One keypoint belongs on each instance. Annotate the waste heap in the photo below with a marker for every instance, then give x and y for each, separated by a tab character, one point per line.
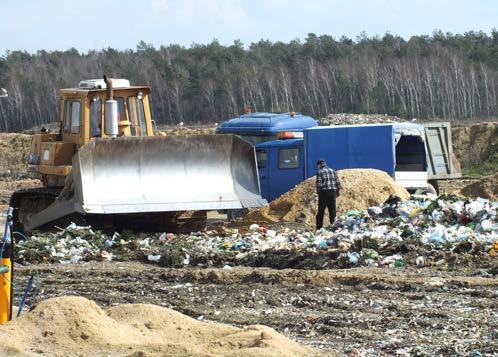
350	119
415	232
361	188
184	130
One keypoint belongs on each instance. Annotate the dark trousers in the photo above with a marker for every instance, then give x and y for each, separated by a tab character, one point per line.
326	199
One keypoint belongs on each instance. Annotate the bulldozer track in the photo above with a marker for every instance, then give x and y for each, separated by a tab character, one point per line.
30	201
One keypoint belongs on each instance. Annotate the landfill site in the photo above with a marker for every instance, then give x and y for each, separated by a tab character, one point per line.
397	273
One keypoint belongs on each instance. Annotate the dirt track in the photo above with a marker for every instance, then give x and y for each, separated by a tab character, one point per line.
377	311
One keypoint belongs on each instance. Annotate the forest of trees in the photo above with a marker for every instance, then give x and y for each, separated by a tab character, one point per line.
448	76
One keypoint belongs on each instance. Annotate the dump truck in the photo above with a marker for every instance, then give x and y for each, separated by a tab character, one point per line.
106	167
288	145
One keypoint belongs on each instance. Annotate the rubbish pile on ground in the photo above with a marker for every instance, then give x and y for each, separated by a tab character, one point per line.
361	188
350	119
184	130
486	187
396	233
77	326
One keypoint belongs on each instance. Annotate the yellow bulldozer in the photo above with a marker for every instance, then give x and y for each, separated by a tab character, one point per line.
105	166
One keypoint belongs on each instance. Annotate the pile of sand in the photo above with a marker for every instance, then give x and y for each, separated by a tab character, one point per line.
487	187
361	188
76	326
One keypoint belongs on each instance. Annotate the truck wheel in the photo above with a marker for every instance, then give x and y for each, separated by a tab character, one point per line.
234	214
423	191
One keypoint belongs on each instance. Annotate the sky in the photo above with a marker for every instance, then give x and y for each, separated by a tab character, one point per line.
95	24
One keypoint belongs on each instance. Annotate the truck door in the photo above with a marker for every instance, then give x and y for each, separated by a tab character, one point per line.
262	159
287	169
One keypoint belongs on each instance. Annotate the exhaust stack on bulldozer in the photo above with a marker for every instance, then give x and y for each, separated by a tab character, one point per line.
111	110
105	167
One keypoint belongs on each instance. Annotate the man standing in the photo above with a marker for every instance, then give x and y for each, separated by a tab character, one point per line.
327	187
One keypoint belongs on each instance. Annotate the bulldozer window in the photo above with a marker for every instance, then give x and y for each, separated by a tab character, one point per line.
65	116
121	109
75	117
137	116
95	117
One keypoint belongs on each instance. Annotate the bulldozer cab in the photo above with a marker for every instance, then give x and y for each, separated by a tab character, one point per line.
82	114
82	111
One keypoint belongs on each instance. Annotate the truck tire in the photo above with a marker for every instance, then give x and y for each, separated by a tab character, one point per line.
423	191
234	214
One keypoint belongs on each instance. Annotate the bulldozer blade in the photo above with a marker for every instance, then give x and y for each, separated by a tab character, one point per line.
160	174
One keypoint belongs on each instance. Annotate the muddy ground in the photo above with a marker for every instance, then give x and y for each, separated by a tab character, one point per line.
374	311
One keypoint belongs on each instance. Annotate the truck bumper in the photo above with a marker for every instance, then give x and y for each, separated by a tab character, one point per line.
411	179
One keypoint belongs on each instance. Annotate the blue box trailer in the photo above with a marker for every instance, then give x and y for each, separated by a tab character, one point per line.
350	146
397	149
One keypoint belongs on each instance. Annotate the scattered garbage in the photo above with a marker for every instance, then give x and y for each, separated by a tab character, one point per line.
350	119
393	234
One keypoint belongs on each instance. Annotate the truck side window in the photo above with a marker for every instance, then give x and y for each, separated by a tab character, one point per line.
262	159
288	158
95	117
75	117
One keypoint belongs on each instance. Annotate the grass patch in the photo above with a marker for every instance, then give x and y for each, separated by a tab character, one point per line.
484	168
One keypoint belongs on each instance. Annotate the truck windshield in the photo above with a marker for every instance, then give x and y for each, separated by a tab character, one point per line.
257	139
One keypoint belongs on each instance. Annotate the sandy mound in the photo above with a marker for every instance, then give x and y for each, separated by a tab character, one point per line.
14	149
361	188
487	187
77	326
475	144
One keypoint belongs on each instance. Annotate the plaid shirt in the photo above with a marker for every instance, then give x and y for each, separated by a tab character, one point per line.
326	179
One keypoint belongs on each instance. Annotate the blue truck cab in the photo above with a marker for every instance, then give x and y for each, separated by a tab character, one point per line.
280	165
261	127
